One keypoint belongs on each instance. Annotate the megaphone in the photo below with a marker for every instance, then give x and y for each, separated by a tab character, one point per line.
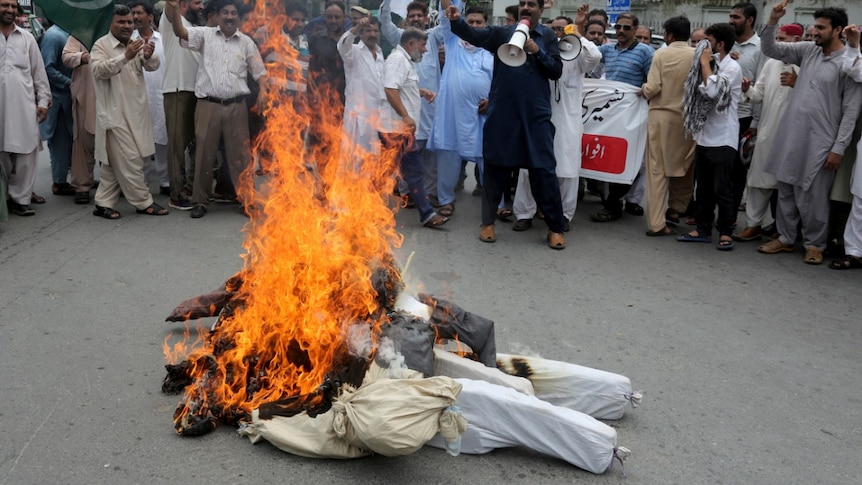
512	53
570	45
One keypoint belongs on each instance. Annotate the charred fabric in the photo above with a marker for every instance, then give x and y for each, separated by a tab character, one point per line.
413	337
401	393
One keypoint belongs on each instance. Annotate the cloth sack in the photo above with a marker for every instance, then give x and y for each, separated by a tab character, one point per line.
394	417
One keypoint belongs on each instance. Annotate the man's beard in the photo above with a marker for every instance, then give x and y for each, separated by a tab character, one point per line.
416	56
194	18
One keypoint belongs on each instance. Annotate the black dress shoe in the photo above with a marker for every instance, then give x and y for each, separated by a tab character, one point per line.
64	188
522	224
198	211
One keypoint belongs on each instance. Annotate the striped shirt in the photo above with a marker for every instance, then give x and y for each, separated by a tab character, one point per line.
630	65
225	62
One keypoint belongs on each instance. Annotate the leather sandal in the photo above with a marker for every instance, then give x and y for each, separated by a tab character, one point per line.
487	233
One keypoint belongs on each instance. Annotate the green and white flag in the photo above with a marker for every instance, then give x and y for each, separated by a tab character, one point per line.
86	20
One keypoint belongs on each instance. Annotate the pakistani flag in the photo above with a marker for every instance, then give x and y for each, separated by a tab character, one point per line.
86	20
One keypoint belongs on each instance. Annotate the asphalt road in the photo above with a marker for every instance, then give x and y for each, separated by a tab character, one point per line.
750	363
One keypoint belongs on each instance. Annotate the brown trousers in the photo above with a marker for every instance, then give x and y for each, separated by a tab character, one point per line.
83	151
663	192
214	121
180	124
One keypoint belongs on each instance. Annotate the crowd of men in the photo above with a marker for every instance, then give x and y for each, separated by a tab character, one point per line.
738	121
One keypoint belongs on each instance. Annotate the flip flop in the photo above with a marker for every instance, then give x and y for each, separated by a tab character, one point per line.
505	214
36	199
689	238
435	221
848	262
725	245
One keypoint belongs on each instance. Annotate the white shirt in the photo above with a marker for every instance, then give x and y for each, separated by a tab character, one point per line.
154	90
180	65
399	72
363	92
24	86
722	127
226	62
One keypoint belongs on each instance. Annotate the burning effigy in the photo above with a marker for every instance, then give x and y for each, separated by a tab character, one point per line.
319	348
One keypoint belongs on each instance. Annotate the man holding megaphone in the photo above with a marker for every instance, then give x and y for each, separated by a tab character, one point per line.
519	132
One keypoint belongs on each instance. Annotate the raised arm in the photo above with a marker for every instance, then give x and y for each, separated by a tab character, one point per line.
789	52
389	30
852	64
172	12
489	38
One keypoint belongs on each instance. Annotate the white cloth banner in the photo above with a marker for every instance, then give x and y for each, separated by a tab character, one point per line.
613	146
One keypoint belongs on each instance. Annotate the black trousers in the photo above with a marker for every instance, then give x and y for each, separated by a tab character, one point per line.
740	171
713	171
543	183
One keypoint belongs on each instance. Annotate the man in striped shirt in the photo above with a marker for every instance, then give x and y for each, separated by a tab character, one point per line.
228	56
626	61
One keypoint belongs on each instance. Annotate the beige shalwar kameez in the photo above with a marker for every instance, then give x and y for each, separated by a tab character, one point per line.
83	115
124	128
670	152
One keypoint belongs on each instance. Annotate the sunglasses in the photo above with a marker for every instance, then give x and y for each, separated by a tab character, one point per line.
623	27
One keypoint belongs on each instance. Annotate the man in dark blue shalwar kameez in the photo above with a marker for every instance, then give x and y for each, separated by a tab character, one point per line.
519	132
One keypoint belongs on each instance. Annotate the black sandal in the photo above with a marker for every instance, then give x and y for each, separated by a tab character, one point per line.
106	212
848	262
153	210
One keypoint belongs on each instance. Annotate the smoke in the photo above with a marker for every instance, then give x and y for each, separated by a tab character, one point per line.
360	342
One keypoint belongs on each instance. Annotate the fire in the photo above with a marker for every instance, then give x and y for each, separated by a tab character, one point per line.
319	231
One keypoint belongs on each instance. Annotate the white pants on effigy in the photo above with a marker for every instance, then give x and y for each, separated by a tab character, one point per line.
500	417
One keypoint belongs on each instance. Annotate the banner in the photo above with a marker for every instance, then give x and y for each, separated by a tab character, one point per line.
613	146
86	20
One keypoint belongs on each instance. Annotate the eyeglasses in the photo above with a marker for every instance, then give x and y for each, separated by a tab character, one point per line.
623	27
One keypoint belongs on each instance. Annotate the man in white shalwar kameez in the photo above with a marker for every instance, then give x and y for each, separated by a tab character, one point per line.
772	90
460	105
363	92
156	167
820	118
24	83
566	117
853	230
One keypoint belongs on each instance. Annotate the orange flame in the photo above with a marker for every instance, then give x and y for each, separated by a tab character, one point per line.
318	231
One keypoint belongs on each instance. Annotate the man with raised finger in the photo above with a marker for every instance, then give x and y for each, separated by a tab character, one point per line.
820	117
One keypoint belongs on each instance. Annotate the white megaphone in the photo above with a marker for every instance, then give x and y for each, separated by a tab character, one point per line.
569	45
512	53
